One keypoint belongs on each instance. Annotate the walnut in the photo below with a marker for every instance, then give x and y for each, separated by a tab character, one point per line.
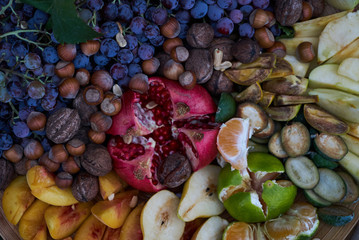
246	50
318	7
96	160
224	44
200	62
219	83
288	12
200	35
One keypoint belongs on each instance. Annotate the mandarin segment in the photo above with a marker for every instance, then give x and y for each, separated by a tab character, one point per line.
238	231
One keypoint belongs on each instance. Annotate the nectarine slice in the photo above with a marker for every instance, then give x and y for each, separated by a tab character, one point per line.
16	199
113	213
38	177
112	234
111	183
131	229
91	229
33	222
63	221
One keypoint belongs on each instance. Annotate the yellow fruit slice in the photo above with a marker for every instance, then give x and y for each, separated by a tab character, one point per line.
238	231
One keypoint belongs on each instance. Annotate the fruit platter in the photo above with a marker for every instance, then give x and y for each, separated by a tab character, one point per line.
179	119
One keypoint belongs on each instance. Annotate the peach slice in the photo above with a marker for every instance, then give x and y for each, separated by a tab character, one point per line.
32	222
131	229
112	234
113	213
43	187
111	183
91	229
63	221
16	199
41	234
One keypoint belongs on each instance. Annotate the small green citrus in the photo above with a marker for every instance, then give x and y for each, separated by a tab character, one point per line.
226	108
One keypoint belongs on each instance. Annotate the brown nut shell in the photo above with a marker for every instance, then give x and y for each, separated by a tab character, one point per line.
171	28
90	47
7	173
258	18
75	147
187	80
305	52
100	122
96	137
307	11
150	66
58	153
96	160
172	70
200	35
264	37
33	150
288	12
69	87
245	50
36	121
67	52
278	49
72	165
63	180
102	79
179	54
83	76
64	69
45	161
170	43
111	104
200	62
14	154
85	187
139	83
93	95
219	83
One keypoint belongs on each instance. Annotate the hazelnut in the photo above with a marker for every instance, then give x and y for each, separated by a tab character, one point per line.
200	35
83	76
100	122
14	154
111	104
58	153
278	49
96	137
72	165
264	37
245	50
258	18
271	19
171	28
150	66
75	147
33	149
64	69
20	166
170	43
85	110
69	87
307	11
67	52
7	173
93	95
85	187
45	161
63	180
90	47
102	79
305	52
187	80
30	163
172	69
36	121
139	83
179	54
318	7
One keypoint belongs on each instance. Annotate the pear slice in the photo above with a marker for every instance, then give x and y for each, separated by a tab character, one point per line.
199	197
212	229
350	68
159	219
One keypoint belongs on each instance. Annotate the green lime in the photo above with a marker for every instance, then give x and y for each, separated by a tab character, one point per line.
226	108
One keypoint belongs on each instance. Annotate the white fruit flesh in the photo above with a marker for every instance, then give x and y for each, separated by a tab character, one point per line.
159	217
350	68
212	229
300	69
291	44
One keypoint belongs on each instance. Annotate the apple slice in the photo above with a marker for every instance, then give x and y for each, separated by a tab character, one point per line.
212	229
159	219
16	199
337	35
199	197
131	228
350	68
300	69
110	184
91	229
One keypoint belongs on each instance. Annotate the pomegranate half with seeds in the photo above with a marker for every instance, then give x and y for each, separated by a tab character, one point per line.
165	120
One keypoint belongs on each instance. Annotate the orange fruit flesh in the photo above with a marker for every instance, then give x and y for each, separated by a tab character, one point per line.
239	231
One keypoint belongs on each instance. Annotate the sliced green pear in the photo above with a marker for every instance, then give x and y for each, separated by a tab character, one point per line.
199	197
351	50
326	76
212	229
159	217
291	44
350	68
337	35
300	68
353	129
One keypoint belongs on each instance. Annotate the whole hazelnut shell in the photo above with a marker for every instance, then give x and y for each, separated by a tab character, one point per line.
150	66
67	52
318	7
305	52
30	163
58	153
258	18
75	147
72	165
172	70
90	47
307	11
179	54
36	121
96	137
85	187
69	87
33	150
170	43
50	165
278	49
245	50
187	80
139	83
20	167
93	95
264	37
200	35
83	76
14	154
96	160
102	79
63	180
64	69
100	122
171	28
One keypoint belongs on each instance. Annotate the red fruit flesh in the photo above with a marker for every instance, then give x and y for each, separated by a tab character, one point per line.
152	126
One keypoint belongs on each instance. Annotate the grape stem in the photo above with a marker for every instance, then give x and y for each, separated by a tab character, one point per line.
17	34
7	71
8	5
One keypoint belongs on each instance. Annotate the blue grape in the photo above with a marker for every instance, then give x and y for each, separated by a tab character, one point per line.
5	97
246	10
224	3
109	47
184	30
5	141
20	49
49	70
109	29
89	67
32	102
236	15
138	25
125	56
25	112
132	41
101	59
32	61
159	16
36	90
28	10
215	12
141	38
276	30
21	130
40	17
50	55
151	31
5	111
263	4
244	2
233	6
15	89
148	13
187	4
5	50
199	10
136	60
157	41
124	82
94	5
118	71
170	4
134	68
125	13
38	71
46	144
11	61
139	6
246	30
53	38
210	1
3	125
85	14
81	61
225	26
183	16
146	51
110	11
15	18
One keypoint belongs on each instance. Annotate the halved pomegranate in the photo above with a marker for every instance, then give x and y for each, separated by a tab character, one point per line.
165	120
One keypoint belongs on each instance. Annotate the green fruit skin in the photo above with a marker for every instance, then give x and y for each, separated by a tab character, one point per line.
228	178
310	236
226	108
264	162
320	161
336	220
